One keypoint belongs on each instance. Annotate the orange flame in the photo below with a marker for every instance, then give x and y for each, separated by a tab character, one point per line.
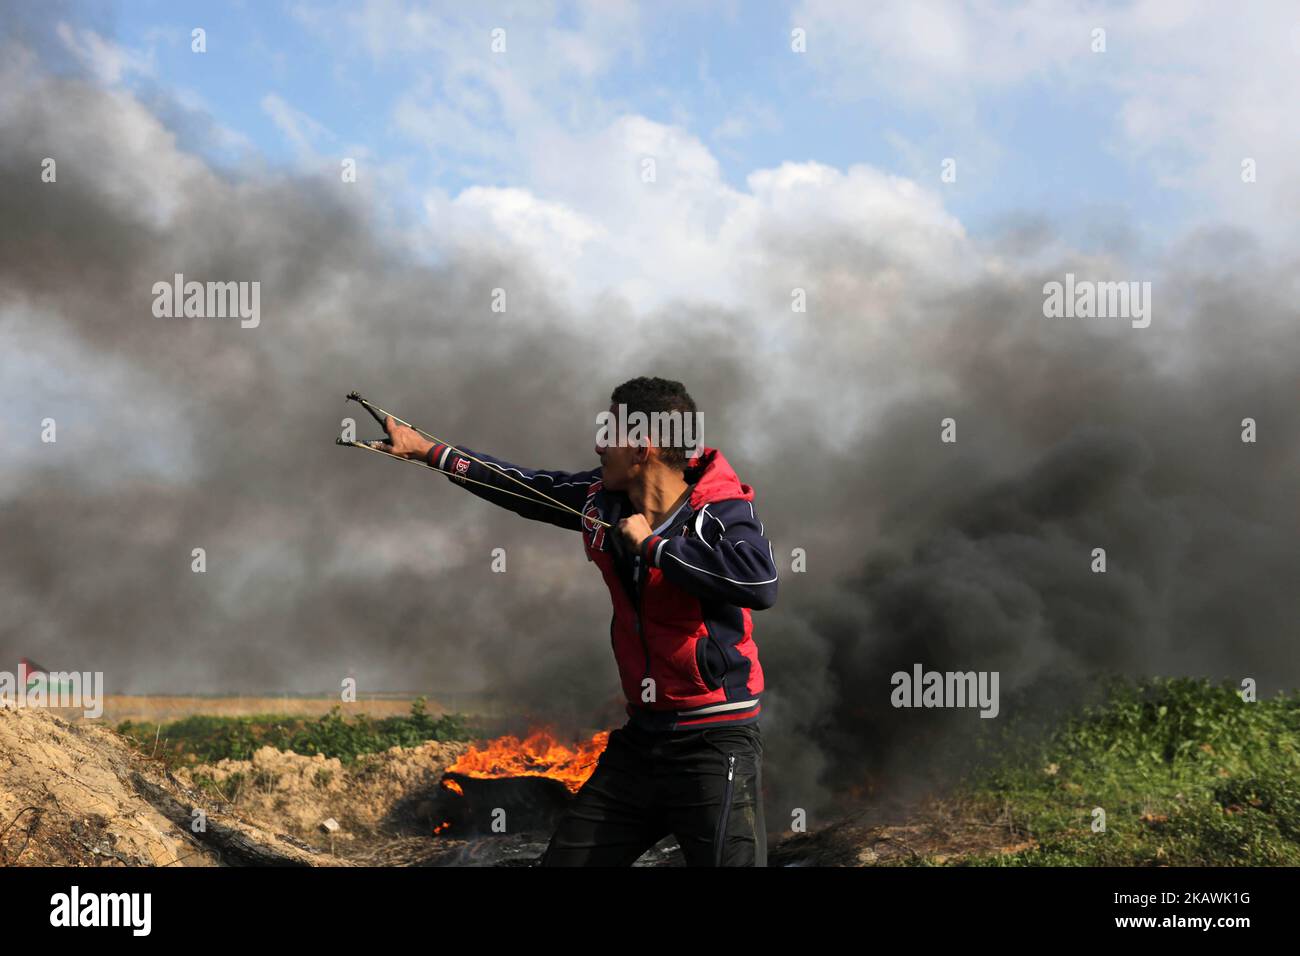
537	755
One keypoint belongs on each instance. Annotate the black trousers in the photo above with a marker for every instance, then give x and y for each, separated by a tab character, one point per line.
702	786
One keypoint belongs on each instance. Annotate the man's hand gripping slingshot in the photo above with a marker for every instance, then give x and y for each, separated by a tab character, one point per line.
385	447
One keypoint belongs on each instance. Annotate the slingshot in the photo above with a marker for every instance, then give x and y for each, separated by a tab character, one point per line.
382	416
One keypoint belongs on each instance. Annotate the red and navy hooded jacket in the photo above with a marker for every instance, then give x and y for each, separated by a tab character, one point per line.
681	628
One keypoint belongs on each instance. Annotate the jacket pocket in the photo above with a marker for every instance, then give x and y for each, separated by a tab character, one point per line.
710	659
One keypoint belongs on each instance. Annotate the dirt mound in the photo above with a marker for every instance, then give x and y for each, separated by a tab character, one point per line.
73	793
382	795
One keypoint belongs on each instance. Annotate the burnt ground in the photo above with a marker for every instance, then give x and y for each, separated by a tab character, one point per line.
932	831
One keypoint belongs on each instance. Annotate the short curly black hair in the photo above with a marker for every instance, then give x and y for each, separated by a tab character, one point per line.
650	395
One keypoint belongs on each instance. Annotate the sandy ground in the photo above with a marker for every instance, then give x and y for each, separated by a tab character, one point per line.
76	793
381	796
73	793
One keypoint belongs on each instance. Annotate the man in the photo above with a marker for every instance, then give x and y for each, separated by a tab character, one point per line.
685	559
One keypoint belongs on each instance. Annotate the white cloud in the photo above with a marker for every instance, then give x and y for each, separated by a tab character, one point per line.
513	220
299	128
1198	87
107	61
752	117
472	108
592	223
938	54
448	121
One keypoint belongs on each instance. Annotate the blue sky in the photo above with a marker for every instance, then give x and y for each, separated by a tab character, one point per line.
1046	145
1081	126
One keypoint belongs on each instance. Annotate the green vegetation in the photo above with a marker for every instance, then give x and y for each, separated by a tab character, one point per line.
229	789
1188	774
201	739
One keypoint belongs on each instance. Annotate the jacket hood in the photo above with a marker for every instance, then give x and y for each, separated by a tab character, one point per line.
715	480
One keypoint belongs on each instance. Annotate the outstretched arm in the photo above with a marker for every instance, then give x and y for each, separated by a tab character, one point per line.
532	493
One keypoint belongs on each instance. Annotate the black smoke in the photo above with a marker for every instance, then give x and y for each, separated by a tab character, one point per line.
325	563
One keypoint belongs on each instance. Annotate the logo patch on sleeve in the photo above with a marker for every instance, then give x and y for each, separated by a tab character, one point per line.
595	532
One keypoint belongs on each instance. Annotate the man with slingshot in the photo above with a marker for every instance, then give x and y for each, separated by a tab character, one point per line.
683	553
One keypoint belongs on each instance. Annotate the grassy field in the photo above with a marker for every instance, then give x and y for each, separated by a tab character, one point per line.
205	738
165	708
1186	773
